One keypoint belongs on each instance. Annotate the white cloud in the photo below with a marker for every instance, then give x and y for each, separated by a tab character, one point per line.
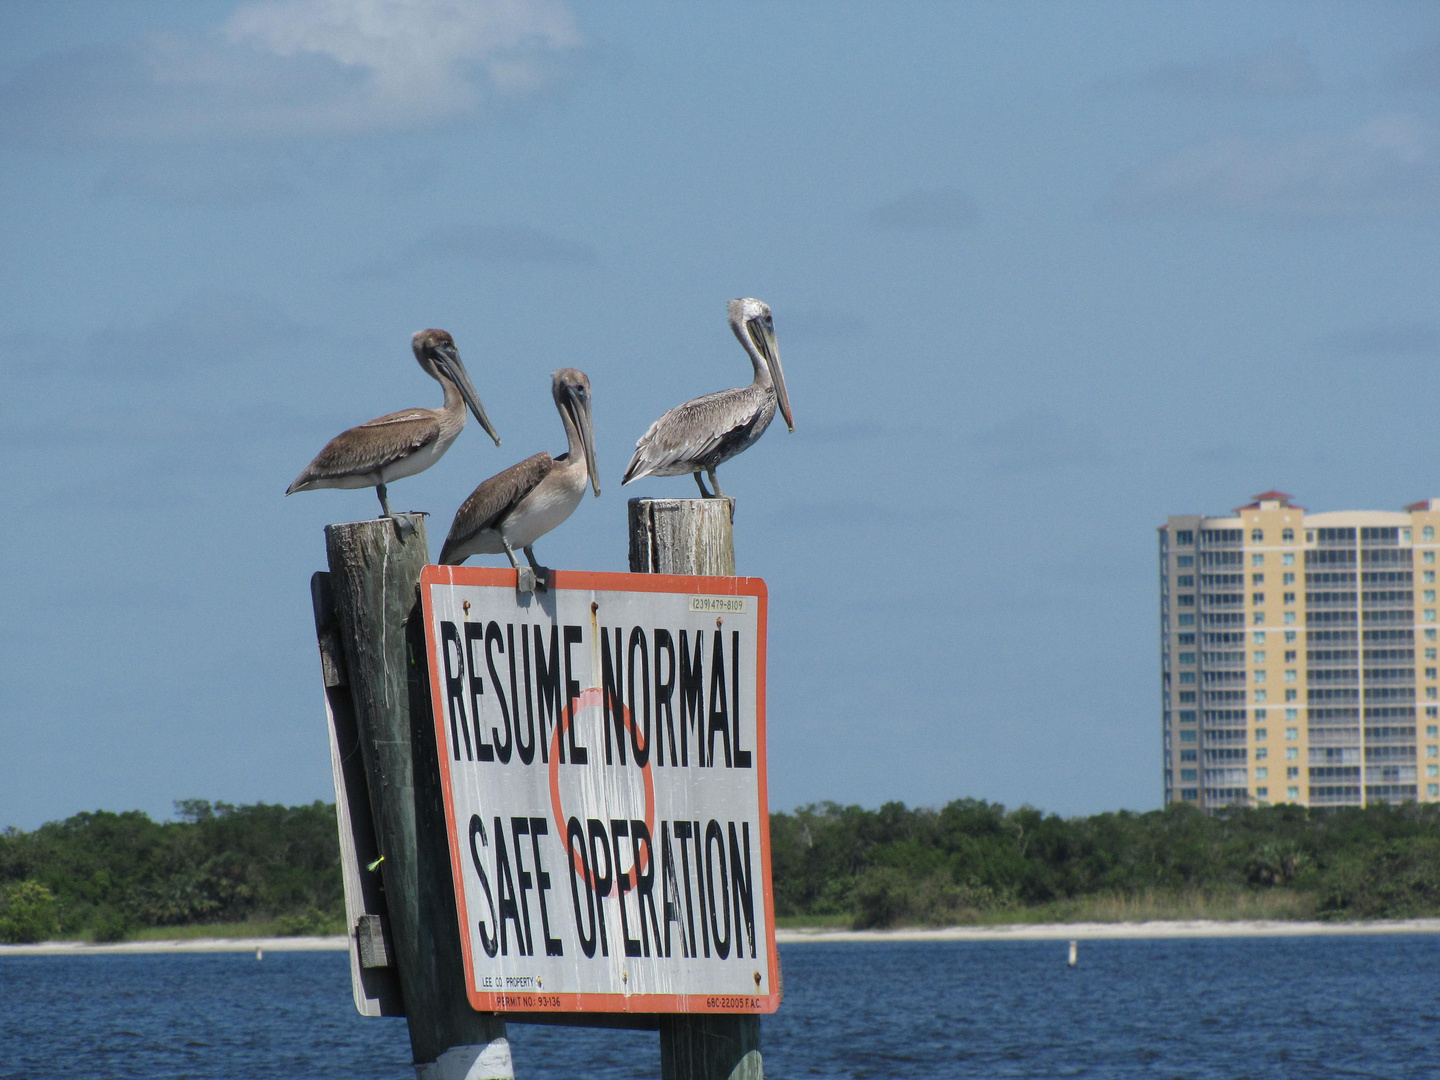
1282	70
293	68
926	210
1388	165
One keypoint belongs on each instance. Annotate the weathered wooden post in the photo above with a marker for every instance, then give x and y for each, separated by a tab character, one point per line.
375	575
695	536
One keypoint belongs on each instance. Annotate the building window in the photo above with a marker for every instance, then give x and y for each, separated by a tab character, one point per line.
1257	579
1292	753
1262	792
1429	614
1289	617
1429	635
1185	537
1258	637
1187	697
1432	789
1289	636
1187	736
1189	793
1187	639
1289	659
1427	557
1257	536
1309	536
1291	715
1259	715
1427	576
1262	773
1257	598
1431	751
1431	694
1259	676
1292	793
1292	695
1187	658
1187	676
1259	656
1260	735
1259	695
1183	561
1187	716
1287	536
1188	755
1288	559
1291	733
1261	753
1185	581
1187	620
1292	773
1259	618
1427	533
1429	596
1288	579
1405	536
1432	770
1189	774
1289	598
1429	673
1290	676
1186	600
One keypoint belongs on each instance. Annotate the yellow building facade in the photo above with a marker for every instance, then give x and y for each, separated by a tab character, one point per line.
1299	656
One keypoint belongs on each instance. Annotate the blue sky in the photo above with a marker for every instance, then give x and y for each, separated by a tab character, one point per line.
1041	273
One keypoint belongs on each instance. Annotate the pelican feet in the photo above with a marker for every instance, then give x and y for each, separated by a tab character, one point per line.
524	580
541	573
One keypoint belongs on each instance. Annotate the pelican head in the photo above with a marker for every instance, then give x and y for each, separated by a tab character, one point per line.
571	390
435	350
750	319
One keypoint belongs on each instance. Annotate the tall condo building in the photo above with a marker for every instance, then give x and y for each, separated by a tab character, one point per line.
1298	656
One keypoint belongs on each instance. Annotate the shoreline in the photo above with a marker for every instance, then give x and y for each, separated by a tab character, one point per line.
1189	928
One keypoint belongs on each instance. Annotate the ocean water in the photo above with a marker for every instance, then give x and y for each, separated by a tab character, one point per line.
1224	1009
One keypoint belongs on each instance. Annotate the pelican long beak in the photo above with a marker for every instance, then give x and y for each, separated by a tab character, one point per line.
454	368
762	333
584	427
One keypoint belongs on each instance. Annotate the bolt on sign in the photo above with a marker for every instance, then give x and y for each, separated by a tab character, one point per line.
602	756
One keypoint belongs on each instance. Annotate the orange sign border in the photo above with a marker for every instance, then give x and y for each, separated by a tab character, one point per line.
538	1000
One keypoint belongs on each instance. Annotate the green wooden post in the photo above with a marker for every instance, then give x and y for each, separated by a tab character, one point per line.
695	536
375	575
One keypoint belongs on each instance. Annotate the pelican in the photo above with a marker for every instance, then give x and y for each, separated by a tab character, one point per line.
709	430
518	506
402	443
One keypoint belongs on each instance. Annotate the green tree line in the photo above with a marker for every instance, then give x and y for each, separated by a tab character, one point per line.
104	875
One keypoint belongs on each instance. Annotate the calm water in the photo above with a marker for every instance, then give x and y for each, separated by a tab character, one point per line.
1283	1008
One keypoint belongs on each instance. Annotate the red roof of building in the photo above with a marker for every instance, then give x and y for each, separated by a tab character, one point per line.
1423	504
1271	496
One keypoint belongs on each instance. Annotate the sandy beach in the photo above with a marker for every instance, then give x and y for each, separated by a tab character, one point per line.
1197	928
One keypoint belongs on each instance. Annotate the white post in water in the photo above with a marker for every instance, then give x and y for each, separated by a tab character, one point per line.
1074	951
695	536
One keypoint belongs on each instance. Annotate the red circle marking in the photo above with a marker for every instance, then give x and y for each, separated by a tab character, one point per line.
595	697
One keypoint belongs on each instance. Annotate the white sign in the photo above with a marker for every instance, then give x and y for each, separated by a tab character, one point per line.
602	754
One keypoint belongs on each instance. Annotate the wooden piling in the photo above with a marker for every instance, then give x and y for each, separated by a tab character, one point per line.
695	536
375	575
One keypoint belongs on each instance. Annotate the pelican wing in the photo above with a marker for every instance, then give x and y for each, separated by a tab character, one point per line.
701	429
494	498
370	447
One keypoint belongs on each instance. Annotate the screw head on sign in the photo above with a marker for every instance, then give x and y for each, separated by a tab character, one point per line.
539	982
757	978
466	606
625	976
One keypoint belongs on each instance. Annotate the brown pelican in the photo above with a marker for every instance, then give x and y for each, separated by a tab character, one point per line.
518	506
708	430
402	443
